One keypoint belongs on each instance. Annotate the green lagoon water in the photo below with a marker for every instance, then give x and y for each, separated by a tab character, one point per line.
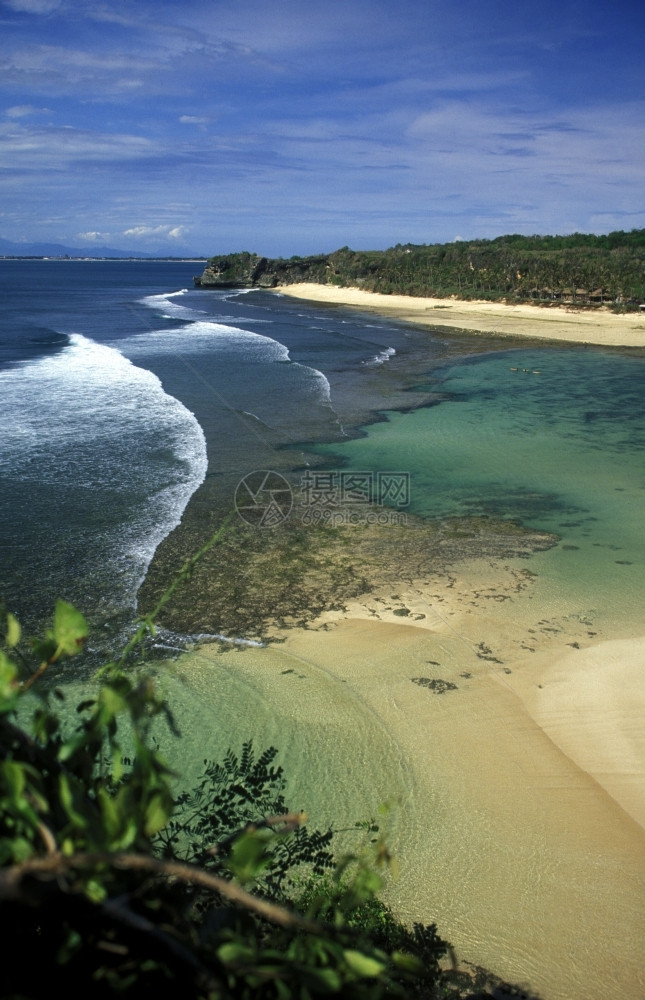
158	385
552	439
557	444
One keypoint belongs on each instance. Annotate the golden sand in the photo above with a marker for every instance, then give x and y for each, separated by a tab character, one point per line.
520	775
525	862
591	703
598	326
513	735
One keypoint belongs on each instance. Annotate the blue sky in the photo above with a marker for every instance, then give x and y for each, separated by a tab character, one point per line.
297	126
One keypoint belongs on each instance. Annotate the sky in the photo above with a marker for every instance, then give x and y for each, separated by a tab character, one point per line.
282	127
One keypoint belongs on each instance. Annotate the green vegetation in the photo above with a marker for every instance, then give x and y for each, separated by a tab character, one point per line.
111	883
114	883
580	269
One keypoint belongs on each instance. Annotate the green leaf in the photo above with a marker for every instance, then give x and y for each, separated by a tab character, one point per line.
70	628
95	891
44	649
366	884
8	684
67	798
110	814
70	947
249	855
408	963
13	630
111	701
283	990
363	965
320	980
158	812
13	777
235	953
21	849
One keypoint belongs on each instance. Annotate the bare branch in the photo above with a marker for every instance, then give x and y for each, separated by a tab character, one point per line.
57	864
47	838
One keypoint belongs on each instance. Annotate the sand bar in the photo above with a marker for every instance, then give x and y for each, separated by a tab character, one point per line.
599	326
521	797
591	703
513	845
526	863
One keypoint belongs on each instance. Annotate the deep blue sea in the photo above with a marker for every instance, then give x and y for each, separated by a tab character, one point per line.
122	387
127	395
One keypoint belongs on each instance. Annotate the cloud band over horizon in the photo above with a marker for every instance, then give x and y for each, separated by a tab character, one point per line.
299	128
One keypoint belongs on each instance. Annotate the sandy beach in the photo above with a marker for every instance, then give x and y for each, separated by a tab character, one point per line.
598	326
519	741
505	722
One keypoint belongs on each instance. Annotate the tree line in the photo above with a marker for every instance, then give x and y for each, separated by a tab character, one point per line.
580	269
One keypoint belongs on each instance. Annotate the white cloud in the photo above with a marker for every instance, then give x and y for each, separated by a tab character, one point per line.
34	6
24	111
58	69
34	148
93	237
144	232
193	120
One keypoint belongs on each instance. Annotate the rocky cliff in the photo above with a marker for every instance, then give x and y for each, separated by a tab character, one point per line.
248	270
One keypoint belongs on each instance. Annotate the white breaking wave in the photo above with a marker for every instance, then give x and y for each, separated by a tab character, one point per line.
208	335
382	357
203	636
166	305
205	335
319	380
87	418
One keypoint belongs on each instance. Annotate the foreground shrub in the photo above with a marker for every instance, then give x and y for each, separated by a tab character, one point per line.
114	884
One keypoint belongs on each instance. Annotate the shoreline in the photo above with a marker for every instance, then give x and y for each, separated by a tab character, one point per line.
552	323
527	850
492	720
584	690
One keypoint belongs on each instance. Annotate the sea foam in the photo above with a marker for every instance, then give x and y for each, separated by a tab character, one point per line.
89	423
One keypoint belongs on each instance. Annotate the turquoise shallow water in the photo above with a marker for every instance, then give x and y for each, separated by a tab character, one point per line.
558	446
553	439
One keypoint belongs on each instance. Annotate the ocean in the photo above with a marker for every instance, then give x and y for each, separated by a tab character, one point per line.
134	405
123	388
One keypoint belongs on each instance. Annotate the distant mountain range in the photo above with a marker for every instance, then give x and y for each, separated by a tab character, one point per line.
9	249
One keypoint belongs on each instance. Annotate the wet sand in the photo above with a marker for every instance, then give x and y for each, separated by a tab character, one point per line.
508	727
519	831
591	703
595	326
